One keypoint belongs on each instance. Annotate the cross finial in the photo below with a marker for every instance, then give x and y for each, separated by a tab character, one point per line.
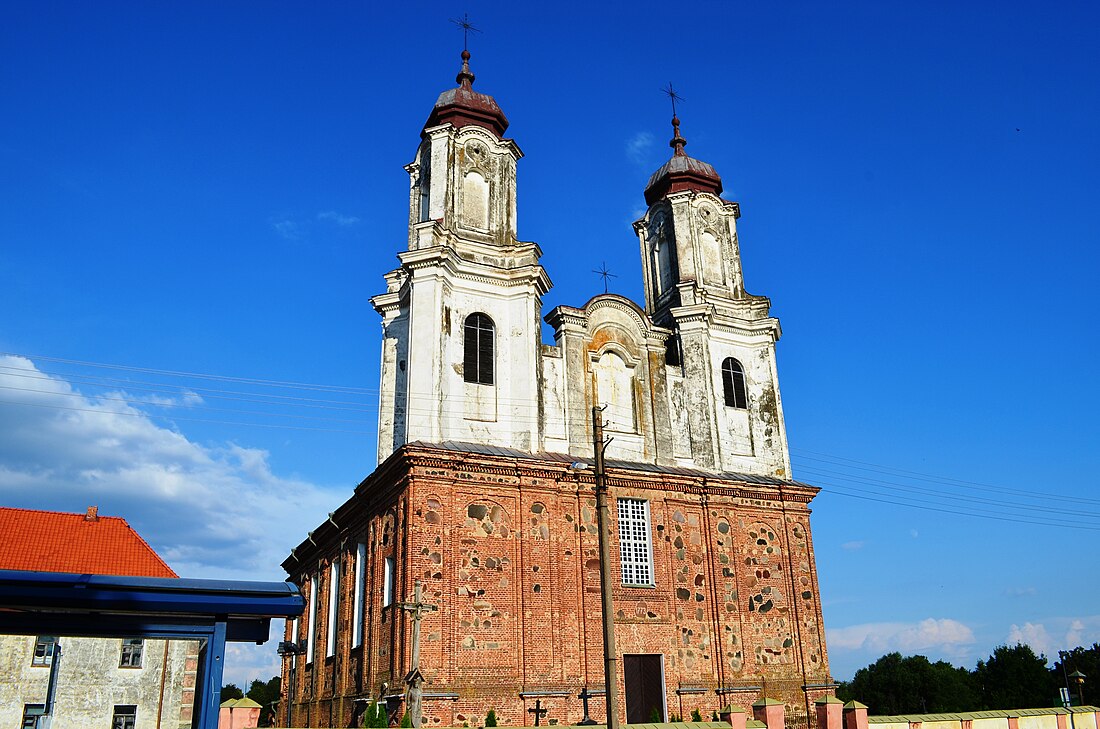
677	143
466	26
605	274
673	97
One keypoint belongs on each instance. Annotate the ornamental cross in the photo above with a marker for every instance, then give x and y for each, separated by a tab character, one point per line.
414	678
604	273
673	96
466	26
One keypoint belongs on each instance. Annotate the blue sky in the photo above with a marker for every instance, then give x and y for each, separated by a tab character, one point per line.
217	189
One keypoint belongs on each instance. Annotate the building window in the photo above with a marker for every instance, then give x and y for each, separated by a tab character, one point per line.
311	626
357	606
477	353
31	712
634	544
131	653
125	716
43	650
387	582
333	606
733	384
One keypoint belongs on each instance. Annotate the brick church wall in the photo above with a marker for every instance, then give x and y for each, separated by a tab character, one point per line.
507	549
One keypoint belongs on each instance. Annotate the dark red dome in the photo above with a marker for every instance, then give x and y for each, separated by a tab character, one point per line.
681	172
462	106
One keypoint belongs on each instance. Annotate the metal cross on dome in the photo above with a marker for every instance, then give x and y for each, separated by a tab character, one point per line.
604	273
466	28
673	96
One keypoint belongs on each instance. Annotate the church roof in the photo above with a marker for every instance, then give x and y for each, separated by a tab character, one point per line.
462	106
54	541
681	172
490	450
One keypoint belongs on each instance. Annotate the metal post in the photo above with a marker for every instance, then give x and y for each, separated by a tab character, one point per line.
610	657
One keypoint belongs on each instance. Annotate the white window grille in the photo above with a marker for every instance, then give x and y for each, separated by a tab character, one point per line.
357	607
634	543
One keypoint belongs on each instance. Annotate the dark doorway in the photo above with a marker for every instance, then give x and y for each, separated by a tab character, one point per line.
644	677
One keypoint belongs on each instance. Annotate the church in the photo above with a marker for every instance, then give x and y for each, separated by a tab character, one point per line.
484	493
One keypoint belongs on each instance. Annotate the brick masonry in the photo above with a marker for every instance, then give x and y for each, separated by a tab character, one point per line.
507	548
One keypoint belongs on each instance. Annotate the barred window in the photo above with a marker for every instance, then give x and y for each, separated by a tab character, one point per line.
311	626
125	716
360	581
131	653
477	352
43	650
634	543
733	384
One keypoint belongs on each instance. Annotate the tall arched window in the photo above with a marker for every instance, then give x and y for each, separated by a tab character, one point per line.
477	353
733	384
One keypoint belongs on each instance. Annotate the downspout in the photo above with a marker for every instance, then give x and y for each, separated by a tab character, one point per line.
163	676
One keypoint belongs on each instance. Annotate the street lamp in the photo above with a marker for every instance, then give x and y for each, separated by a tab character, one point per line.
1079	679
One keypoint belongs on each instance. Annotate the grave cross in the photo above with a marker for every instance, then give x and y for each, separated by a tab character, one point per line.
584	696
537	711
414	678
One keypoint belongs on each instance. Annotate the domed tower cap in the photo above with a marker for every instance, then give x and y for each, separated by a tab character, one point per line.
462	106
681	172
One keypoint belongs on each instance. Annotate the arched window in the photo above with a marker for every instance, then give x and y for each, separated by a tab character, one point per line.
477	353
733	384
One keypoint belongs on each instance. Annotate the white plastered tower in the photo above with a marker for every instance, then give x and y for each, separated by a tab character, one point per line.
694	286
463	260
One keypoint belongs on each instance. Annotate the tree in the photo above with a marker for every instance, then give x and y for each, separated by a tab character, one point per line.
376	717
911	685
1015	678
265	693
491	718
231	691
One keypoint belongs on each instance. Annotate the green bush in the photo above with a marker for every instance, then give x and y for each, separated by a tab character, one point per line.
406	720
695	715
491	718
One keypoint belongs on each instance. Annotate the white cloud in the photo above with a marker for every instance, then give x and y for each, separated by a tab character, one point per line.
213	511
287	228
638	147
944	633
340	219
852	546
1020	592
1034	634
209	510
1076	633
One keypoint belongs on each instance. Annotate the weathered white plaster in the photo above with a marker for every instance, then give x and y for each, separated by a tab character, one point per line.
463	257
90	682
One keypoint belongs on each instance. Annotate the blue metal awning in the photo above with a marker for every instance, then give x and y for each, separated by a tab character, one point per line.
103	606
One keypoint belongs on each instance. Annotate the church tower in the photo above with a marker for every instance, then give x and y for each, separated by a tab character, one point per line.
461	314
723	382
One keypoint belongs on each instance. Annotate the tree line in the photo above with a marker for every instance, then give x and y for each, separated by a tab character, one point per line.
1013	677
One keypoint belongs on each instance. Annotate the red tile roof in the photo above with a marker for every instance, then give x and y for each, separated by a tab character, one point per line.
55	541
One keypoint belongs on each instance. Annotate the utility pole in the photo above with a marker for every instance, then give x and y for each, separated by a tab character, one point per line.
610	657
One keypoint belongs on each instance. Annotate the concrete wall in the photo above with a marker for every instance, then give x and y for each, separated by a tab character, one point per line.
90	683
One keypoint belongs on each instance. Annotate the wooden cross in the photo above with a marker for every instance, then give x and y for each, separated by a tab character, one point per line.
414	678
537	711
